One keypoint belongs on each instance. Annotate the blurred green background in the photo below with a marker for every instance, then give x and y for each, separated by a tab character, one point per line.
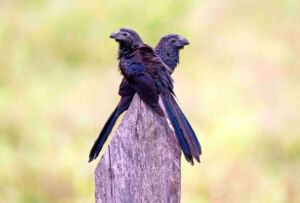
238	83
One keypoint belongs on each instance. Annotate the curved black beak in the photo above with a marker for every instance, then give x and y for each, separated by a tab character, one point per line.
115	34
184	41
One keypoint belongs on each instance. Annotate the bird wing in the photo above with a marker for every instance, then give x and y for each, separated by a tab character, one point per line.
160	73
141	81
157	69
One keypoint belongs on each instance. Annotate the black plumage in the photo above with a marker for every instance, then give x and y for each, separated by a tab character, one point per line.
168	49
145	73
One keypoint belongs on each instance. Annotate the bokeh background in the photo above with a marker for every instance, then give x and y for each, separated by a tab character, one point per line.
238	83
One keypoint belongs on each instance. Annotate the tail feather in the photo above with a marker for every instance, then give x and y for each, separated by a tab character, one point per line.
192	132
183	130
103	136
178	132
106	130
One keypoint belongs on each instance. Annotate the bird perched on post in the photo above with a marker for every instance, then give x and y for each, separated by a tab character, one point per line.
167	49
145	73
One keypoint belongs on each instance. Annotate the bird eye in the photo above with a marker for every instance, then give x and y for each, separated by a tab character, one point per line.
173	41
125	34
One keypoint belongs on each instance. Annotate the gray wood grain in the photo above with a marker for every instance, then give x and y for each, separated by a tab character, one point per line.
142	161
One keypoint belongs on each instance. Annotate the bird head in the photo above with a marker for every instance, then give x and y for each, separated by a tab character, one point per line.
173	42
127	38
168	49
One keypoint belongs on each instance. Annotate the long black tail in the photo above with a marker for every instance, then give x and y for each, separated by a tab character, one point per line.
184	132
122	106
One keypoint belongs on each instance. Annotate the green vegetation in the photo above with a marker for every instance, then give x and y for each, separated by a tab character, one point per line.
238	83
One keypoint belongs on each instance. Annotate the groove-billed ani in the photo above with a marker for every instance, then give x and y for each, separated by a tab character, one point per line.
168	49
147	75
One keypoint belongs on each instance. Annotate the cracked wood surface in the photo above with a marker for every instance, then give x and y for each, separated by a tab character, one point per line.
142	161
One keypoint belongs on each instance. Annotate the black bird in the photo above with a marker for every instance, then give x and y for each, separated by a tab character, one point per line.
147	75
168	49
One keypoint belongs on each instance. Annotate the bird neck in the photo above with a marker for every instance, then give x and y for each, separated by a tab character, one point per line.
125	50
169	57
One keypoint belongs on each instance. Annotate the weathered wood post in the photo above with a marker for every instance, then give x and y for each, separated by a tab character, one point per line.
142	161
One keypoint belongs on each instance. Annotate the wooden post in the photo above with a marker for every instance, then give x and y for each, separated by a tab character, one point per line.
142	161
